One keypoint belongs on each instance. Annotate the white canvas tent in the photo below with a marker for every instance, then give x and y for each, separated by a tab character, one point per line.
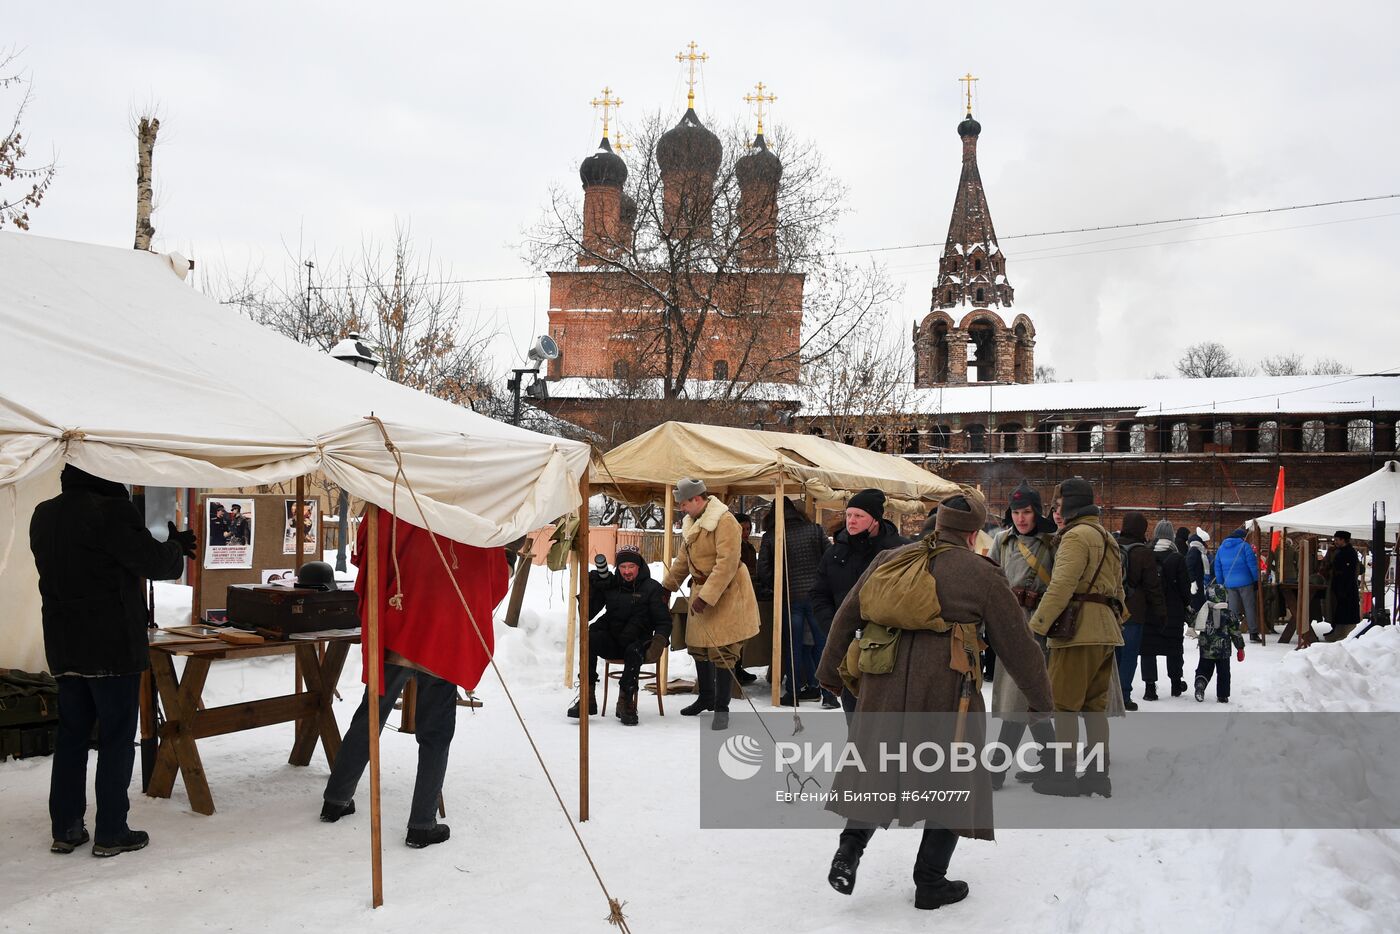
115	364
1345	509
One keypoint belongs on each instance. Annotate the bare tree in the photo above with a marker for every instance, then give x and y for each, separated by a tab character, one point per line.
1045	374
674	280
22	184
146	129
1209	360
864	394
1284	364
1326	366
400	302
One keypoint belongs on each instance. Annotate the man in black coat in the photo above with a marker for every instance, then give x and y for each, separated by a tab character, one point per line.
93	552
1341	567
866	533
635	612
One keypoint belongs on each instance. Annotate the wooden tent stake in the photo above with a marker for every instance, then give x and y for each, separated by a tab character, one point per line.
573	620
584	685
663	671
779	557
376	841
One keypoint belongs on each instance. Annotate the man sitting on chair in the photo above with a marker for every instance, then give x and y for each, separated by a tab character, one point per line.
635	613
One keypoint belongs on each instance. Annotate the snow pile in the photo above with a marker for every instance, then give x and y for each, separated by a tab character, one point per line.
1256	880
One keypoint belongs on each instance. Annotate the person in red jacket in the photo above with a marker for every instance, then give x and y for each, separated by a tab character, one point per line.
425	636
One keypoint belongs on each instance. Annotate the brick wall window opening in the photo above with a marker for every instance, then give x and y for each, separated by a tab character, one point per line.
939	438
940	349
909	441
721	369
1059	436
976	439
875	440
982	341
1267	437
977	265
1181	438
1361	435
1314	437
1137	438
979	295
1223	434
949	297
1011	438
816	430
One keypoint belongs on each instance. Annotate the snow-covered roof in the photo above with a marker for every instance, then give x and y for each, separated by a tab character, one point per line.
1244	395
586	387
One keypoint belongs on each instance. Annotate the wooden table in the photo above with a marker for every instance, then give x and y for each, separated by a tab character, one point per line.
186	721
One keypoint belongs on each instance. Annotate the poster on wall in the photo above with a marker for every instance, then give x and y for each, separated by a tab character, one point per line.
310	523
228	533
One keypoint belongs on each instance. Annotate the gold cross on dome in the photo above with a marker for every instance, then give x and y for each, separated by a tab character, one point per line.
690	56
758	99
967	79
607	102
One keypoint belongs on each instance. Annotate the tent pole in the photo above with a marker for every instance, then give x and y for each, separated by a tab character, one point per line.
1304	596
668	521
585	686
1259	588
779	556
372	690
301	559
573	621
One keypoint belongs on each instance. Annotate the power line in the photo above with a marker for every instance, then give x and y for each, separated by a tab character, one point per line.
1174	220
1023	236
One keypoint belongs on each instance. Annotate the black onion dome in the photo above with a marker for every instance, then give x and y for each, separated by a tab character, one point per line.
969	127
760	166
688	146
628	210
604	167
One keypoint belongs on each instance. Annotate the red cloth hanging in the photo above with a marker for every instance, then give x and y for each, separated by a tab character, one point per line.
1277	536
430	628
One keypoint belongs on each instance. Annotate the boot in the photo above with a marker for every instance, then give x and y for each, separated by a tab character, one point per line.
592	704
70	843
125	843
1150	692
1061	783
745	677
932	887
627	707
1200	689
332	811
704	690
426	836
1178	688
1129	704
928	897
1095	782
844	864
722	694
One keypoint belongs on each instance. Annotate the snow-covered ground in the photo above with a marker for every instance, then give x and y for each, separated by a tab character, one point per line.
264	862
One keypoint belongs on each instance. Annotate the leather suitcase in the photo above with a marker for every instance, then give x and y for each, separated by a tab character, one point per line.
290	609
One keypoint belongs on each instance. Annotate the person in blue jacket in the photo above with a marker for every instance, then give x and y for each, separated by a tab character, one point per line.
1237	570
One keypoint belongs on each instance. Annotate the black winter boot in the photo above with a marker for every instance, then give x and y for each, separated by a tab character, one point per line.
592	704
723	679
1200	689
627	707
1178	688
936	895
932	887
844	864
704	690
1150	692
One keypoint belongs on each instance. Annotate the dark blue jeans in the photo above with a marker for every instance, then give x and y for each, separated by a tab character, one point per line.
436	722
113	704
800	619
1127	655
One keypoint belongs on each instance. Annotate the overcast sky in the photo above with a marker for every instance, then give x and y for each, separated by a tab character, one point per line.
323	124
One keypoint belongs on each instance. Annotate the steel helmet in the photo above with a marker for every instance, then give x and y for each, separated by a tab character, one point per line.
317	575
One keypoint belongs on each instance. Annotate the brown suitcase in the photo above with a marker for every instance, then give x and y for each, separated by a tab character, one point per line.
291	609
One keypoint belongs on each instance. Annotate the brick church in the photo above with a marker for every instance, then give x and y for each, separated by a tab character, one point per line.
678	295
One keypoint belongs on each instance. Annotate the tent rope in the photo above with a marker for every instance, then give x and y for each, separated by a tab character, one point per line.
615	915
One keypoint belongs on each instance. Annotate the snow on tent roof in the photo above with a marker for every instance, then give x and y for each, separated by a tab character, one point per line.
1155	398
114	364
1345	509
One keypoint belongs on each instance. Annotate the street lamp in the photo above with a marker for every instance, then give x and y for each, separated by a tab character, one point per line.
542	350
353	350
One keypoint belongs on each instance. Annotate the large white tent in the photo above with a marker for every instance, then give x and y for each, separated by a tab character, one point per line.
113	363
1346	509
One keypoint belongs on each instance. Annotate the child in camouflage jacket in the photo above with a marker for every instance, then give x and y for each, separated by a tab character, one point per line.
1221	629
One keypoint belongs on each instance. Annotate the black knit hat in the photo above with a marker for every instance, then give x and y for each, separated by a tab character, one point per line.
870	501
1024	496
629	555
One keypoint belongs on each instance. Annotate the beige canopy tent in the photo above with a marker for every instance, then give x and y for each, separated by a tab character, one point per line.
741	461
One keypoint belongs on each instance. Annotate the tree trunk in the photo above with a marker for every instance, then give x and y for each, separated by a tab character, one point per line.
145	149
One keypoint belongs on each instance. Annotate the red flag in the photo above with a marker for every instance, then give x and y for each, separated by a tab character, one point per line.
1277	536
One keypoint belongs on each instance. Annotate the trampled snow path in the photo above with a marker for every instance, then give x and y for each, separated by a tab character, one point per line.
264	862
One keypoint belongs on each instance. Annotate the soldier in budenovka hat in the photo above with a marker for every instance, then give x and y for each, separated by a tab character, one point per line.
1025	549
